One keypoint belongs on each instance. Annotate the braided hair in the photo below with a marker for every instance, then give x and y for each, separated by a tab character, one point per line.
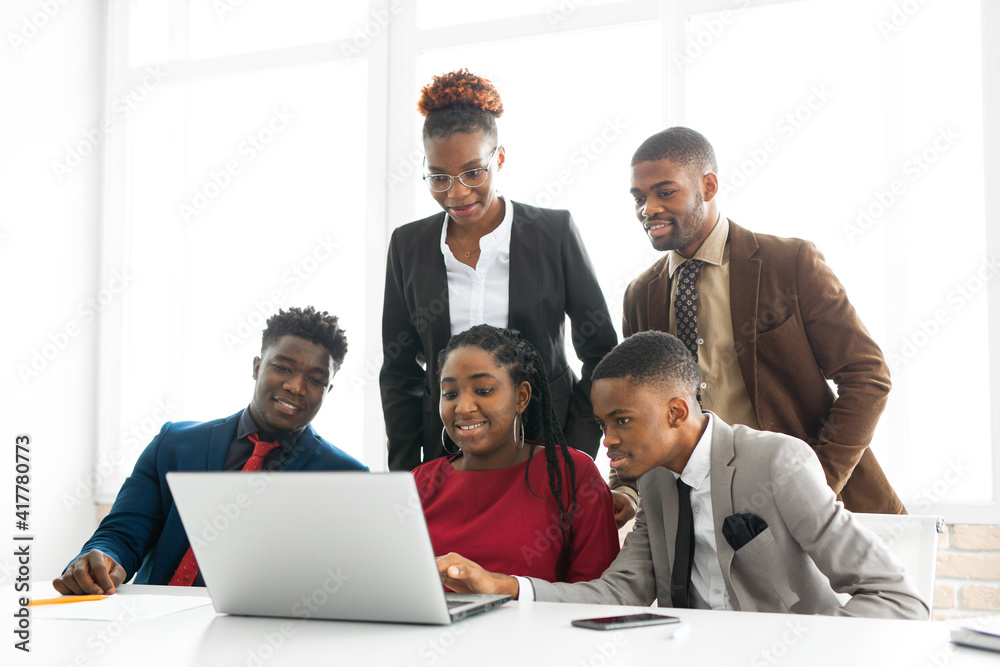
460	102
523	363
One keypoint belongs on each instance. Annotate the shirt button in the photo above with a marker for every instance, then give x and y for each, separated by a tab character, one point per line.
701	341
711	550
717	591
697	509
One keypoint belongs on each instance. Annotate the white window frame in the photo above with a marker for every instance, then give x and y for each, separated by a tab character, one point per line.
392	136
117	188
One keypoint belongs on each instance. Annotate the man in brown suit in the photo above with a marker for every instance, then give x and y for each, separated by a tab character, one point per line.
771	322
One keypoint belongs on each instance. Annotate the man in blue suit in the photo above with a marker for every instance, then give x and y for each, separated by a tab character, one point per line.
301	351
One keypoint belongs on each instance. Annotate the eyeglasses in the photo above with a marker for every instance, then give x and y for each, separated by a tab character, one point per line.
472	178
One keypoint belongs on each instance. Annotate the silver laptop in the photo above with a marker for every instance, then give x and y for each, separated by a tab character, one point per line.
333	545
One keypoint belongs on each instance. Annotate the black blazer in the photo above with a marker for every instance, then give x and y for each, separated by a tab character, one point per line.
550	277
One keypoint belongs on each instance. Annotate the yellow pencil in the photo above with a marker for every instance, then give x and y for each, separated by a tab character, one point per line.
66	598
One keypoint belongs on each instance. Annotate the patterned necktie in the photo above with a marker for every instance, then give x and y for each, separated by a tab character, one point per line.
187	571
680	577
686	308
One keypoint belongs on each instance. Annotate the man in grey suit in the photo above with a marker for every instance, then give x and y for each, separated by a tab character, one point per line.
767	531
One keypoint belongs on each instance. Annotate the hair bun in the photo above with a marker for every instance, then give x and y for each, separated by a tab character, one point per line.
460	87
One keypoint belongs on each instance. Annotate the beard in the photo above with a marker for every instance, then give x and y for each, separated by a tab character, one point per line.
687	228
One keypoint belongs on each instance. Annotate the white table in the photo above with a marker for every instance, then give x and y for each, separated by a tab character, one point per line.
516	635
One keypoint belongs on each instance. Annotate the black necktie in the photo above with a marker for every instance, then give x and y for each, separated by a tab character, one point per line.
680	579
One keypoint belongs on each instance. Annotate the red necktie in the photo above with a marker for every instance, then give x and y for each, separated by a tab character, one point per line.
187	571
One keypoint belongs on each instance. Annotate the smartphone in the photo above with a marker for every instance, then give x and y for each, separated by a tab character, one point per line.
629	621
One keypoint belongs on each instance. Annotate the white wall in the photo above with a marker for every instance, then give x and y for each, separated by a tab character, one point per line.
51	59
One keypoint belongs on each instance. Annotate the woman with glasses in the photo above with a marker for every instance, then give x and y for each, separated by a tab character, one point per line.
484	260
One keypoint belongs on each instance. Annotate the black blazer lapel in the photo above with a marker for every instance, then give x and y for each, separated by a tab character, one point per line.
522	288
431	282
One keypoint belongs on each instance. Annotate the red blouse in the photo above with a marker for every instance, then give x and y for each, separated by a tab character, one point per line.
490	517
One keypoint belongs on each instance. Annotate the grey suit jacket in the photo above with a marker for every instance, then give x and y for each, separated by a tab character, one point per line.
811	549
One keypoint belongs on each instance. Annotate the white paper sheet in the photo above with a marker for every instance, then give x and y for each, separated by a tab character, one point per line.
129	608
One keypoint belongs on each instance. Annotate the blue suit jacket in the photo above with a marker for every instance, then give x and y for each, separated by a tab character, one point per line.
143	530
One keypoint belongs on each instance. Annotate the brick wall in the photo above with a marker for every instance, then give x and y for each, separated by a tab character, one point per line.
968	572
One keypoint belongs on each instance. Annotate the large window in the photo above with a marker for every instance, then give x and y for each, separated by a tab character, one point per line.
244	188
854	150
863	126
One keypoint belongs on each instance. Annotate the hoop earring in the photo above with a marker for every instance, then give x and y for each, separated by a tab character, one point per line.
445	446
519	443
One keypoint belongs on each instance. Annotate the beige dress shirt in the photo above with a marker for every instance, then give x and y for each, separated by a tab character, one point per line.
722	388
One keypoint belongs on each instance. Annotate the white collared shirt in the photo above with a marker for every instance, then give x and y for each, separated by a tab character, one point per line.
480	295
707	583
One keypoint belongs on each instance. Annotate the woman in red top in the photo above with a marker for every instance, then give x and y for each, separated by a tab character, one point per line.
538	509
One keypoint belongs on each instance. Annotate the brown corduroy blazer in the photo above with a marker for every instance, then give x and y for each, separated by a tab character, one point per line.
794	328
